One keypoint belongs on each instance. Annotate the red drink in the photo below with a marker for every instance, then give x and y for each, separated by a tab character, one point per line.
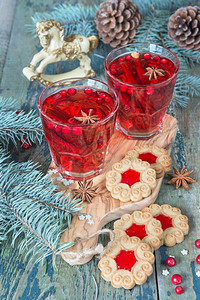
144	82
78	123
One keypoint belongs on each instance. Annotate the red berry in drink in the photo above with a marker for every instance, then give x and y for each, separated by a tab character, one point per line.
198	259
113	71
102	95
197	243
108	99
123	88
163	61
170	261
66	129
176	279
128	57
147	56
50	125
71	91
99	100
156	58
77	130
130	91
57	128
179	290
121	59
63	93
88	91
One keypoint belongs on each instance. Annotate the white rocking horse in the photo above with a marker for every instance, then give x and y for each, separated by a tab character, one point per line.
58	48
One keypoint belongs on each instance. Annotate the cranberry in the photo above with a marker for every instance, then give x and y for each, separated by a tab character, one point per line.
108	99
197	243
179	290
128	57
77	130
149	91
102	95
176	279
63	93
198	259
121	59
163	61
170	261
113	71
130	91
156	58
71	91
57	128
147	56
99	100
123	88
88	91
50	125
25	143
66	129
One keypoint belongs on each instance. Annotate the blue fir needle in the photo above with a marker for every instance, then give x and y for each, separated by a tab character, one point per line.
96	287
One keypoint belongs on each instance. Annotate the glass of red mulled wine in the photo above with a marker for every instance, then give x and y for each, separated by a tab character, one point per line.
78	117
143	76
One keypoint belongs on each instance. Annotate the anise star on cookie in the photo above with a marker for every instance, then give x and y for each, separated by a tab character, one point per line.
181	178
85	191
87	119
153	72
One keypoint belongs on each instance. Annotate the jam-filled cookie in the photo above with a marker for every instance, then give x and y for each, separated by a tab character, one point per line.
127	262
142	225
174	224
158	157
131	180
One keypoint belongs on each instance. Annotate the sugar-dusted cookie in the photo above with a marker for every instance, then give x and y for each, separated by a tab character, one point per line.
131	180
174	224
158	157
142	225
127	262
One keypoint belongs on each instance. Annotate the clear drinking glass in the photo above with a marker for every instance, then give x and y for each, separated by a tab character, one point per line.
143	99
78	121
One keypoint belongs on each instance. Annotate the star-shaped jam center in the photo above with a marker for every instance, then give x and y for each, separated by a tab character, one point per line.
87	119
125	260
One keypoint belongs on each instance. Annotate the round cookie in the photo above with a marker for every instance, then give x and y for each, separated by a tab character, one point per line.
174	224
142	225
131	180
127	262
158	157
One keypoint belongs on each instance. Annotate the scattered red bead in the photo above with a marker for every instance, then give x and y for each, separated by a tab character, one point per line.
121	59
198	259
170	261
176	279
88	91
147	56
179	290
63	93
128	57
197	243
71	91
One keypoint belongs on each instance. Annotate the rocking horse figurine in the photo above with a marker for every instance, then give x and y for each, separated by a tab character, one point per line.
58	48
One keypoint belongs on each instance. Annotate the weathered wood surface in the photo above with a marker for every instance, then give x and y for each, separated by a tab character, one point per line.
19	277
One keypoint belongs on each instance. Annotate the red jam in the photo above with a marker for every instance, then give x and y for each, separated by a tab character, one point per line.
136	230
149	157
130	177
165	221
125	260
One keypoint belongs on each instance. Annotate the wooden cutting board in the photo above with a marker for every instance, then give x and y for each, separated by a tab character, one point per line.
104	208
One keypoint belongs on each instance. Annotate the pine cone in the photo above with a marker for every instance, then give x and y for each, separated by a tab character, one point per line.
184	27
116	21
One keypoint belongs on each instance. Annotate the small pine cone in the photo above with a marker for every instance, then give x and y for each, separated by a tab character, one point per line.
184	27
116	21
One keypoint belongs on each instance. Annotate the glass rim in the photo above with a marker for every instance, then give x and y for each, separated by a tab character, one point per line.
142	85
79	125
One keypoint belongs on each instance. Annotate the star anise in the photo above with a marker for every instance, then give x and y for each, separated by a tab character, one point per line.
87	119
181	178
85	191
153	72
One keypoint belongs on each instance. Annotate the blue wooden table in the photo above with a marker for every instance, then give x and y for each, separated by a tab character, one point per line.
20	278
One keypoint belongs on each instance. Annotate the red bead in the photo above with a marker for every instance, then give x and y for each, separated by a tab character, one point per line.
63	93
170	261
123	88
179	290
147	56
121	59
71	91
198	259
156	58
88	91
176	279
128	57
197	243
